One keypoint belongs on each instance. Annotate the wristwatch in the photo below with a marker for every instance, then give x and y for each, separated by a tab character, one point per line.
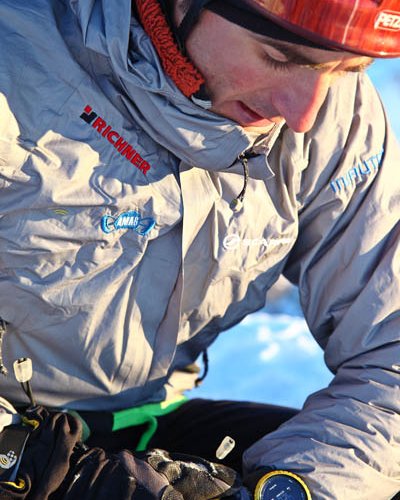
281	485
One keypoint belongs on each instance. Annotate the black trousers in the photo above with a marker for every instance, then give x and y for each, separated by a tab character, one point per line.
197	428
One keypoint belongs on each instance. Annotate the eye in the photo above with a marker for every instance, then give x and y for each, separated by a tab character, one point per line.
277	65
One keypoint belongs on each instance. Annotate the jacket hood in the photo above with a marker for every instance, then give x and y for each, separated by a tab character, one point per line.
196	136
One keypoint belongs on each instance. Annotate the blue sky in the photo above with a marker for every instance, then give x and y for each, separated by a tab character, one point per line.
386	76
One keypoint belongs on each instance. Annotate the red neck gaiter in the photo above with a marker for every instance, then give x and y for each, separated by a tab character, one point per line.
177	66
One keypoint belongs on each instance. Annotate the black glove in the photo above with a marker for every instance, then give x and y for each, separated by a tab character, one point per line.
55	466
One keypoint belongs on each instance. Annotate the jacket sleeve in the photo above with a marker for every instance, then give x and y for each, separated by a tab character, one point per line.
346	440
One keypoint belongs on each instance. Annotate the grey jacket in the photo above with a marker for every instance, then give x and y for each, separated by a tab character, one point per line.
115	271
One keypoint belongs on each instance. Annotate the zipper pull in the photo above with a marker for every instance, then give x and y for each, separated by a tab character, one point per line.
226	446
23	373
237	203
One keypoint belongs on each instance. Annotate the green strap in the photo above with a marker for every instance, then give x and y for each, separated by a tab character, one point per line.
139	415
145	414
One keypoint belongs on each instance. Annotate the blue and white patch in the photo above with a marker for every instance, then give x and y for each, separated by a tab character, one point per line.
128	220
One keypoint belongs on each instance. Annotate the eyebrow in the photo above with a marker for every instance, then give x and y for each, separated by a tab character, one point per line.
296	57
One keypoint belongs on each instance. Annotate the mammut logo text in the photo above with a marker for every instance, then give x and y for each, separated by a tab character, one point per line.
127	220
357	174
114	138
387	20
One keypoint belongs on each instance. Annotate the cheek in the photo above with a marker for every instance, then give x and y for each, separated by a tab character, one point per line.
237	77
226	56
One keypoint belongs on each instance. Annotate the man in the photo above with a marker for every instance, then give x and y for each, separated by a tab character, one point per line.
133	140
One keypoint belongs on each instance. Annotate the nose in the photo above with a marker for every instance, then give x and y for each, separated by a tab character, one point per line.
299	101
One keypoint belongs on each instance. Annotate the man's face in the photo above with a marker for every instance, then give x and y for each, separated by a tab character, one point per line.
257	81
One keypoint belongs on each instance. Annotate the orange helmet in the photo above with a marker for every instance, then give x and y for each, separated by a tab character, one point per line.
366	27
369	27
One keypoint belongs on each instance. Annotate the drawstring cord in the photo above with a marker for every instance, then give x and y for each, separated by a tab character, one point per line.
206	363
22	367
3	369
237	203
260	146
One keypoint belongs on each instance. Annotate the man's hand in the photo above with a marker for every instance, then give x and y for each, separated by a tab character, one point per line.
171	476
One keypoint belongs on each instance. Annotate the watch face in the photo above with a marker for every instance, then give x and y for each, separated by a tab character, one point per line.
281	487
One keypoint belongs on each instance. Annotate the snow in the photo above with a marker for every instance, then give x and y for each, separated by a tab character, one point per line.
269	357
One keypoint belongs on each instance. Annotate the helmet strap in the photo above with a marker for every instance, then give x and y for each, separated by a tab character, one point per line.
190	19
240	12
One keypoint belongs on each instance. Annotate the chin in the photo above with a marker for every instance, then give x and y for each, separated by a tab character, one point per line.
259	129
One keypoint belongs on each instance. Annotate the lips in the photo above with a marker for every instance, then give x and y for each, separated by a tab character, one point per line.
250	112
248	117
